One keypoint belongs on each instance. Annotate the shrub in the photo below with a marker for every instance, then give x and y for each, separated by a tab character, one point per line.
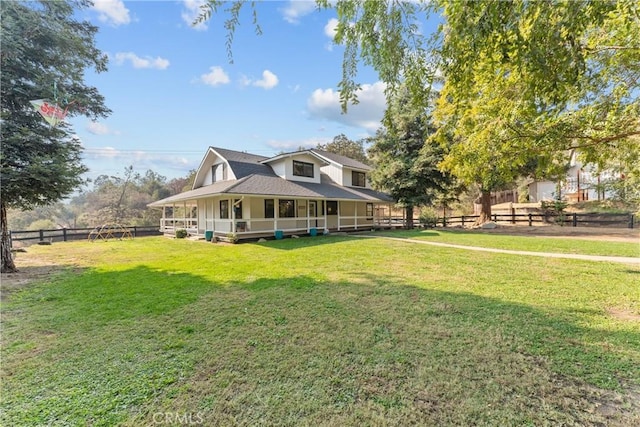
181	233
428	217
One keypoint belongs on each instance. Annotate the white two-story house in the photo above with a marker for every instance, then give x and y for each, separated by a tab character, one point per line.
242	195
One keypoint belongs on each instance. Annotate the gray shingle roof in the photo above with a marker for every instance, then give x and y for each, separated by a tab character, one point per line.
239	156
260	184
343	160
198	193
244	164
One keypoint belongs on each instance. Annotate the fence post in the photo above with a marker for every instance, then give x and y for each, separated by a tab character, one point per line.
444	221
495	217
630	220
41	235
135	231
64	234
575	219
530	219
463	220
513	216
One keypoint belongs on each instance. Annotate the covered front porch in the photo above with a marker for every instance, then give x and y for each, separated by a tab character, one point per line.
248	217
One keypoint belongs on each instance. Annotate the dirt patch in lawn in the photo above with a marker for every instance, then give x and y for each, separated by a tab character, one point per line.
30	269
623	314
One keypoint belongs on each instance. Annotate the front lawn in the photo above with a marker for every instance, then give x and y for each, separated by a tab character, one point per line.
319	331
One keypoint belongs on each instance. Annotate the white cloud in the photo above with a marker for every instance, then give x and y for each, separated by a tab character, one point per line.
97	128
138	62
268	80
215	77
297	9
331	28
112	11
192	9
102	153
141	159
330	31
294	145
325	104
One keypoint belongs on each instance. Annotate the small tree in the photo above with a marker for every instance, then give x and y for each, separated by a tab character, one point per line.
45	53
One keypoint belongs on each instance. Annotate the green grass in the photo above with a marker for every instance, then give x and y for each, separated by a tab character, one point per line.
319	331
522	243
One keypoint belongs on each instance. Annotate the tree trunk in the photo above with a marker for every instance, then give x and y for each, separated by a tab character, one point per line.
409	217
485	208
8	266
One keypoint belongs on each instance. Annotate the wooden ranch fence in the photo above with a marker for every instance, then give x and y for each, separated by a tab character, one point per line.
569	219
66	234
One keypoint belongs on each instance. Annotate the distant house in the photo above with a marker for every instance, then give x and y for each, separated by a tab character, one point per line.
251	196
581	183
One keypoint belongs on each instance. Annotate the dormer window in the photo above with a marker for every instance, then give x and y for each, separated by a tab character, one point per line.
218	172
358	179
303	169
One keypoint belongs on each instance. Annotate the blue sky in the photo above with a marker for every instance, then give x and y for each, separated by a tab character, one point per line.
173	91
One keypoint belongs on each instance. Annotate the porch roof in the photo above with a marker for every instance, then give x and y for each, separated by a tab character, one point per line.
270	185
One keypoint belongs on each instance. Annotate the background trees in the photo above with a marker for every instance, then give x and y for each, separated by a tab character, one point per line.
346	147
45	52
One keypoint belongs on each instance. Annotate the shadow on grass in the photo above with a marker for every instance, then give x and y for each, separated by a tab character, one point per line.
124	341
289	243
307	241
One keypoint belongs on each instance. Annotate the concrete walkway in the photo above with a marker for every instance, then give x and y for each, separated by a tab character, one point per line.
599	258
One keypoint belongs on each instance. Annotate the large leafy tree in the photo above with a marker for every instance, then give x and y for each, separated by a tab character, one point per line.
525	81
406	162
45	52
533	80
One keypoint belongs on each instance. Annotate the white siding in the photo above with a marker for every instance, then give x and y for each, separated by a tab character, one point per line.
335	173
284	168
542	190
279	168
343	176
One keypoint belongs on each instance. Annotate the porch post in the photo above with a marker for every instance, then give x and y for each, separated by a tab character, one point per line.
356	220
339	214
233	216
213	216
184	215
276	214
324	212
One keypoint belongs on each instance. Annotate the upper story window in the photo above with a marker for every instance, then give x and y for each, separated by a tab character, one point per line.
302	169
218	172
358	179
